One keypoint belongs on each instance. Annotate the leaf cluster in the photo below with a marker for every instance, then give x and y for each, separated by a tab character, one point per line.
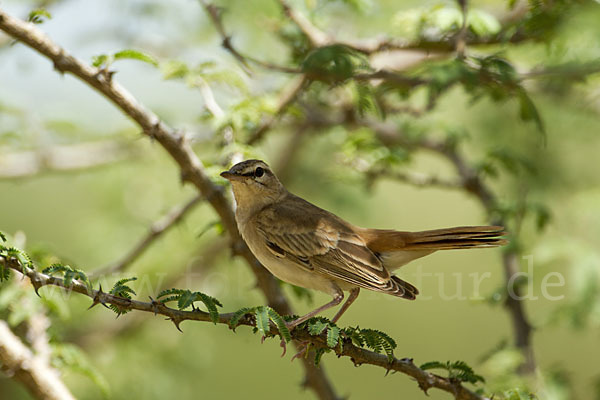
121	289
262	315
8	252
334	63
186	298
69	274
492	76
457	370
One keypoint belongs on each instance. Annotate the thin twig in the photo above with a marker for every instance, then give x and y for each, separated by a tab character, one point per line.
315	36
157	229
358	355
461	38
288	96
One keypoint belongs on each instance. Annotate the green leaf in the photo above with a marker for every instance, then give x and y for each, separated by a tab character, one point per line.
38	16
433	365
280	323
186	299
319	354
211	305
262	320
135	55
458	370
333	336
529	112
2	236
235	318
21	256
173	69
334	63
101	60
316	327
4	273
120	289
168	292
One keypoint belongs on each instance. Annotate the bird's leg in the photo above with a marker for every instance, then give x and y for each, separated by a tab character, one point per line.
353	295
337	299
303	349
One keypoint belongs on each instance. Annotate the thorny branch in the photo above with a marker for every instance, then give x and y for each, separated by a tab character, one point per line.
176	144
358	355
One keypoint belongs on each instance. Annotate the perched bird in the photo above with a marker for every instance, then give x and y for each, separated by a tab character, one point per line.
307	246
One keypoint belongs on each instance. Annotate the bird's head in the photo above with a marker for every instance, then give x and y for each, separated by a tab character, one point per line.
254	184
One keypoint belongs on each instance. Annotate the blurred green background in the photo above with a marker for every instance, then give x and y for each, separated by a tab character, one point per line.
90	218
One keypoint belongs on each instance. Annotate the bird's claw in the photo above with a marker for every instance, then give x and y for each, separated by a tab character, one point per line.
302	352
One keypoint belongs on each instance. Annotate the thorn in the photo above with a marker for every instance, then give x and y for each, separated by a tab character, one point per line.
36	286
262	340
176	321
155	128
97	298
283	345
155	305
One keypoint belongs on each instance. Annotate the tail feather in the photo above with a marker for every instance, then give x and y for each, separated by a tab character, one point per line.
408	291
395	248
462	237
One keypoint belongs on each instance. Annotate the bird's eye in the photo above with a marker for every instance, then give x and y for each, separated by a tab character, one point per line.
258	172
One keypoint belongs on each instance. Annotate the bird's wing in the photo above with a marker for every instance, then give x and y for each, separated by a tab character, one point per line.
320	241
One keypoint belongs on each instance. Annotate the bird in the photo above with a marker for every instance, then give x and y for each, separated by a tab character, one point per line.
307	246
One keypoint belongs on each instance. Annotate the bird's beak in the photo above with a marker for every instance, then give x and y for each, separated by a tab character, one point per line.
232	176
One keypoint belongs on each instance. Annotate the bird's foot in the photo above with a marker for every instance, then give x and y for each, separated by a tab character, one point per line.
283	345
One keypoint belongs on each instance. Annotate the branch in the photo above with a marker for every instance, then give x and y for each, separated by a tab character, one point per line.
315	36
473	184
415	179
16	359
461	37
358	355
215	14
62	158
180	150
288	96
447	44
173	217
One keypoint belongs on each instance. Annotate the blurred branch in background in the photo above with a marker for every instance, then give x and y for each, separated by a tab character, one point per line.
63	158
41	380
157	229
180	150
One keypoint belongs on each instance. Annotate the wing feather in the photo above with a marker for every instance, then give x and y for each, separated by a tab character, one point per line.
329	244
